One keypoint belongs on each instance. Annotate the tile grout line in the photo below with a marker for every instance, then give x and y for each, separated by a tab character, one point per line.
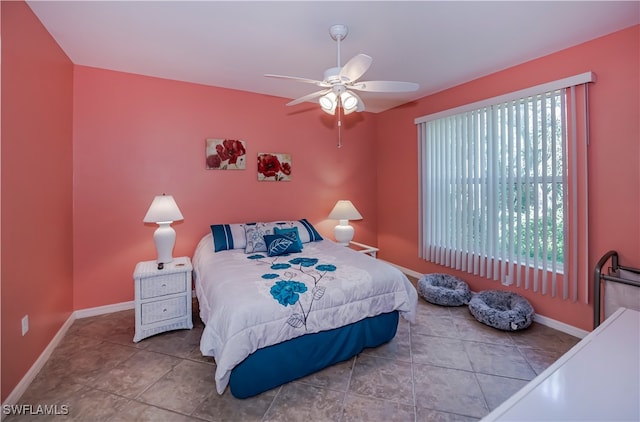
275	397
346	392
413	375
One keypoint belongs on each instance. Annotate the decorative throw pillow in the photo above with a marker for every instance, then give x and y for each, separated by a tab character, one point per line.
291	232
280	244
307	233
255	237
255	232
228	236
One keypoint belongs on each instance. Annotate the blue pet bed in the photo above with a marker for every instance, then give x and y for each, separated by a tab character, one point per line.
502	310
444	290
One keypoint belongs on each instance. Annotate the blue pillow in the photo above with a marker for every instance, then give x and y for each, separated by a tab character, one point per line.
223	237
291	232
314	236
279	244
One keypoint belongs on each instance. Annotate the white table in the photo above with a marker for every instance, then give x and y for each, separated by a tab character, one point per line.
597	380
362	248
162	297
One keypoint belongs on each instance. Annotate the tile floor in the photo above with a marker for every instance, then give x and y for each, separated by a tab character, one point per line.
445	367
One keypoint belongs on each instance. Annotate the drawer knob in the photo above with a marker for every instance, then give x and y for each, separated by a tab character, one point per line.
164	310
164	284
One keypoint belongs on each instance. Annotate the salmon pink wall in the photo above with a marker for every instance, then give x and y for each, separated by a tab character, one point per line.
137	136
613	160
36	190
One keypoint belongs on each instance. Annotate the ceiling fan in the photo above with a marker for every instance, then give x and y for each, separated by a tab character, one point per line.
340	82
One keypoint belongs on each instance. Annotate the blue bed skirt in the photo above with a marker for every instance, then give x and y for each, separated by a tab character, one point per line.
275	365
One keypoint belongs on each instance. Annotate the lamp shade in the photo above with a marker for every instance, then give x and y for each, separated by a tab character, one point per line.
348	101
344	210
163	209
328	102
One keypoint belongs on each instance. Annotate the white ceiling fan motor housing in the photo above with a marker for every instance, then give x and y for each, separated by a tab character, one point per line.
338	31
332	75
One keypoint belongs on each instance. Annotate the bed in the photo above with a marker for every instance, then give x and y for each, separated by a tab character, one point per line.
280	302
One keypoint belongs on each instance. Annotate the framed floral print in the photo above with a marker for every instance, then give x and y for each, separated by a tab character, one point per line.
225	154
274	167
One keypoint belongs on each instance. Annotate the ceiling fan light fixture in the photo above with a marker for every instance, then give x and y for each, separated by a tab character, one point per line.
341	83
328	102
349	101
358	104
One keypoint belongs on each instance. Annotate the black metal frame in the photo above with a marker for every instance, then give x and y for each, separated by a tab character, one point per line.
598	277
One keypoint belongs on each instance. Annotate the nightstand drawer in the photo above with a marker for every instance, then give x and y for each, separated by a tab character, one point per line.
162	310
163	285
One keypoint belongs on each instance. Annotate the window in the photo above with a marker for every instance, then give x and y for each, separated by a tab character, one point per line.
496	187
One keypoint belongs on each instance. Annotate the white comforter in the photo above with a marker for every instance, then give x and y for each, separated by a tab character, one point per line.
250	301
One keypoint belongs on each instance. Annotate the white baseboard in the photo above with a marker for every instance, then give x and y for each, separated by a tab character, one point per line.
24	383
560	326
407	271
107	309
101	310
541	319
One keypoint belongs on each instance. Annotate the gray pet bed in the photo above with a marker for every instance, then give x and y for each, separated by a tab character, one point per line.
444	289
502	310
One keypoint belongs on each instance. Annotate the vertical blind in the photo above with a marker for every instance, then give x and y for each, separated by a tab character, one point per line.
495	187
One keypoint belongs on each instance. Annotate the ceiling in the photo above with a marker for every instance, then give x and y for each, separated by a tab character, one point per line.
232	44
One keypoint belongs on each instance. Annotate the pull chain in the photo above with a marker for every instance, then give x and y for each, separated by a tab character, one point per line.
339	124
339	99
339	132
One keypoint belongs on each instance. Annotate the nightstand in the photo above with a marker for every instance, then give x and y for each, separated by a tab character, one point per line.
361	247
162	297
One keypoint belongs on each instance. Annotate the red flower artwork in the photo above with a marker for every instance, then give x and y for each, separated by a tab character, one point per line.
268	165
276	167
225	154
230	150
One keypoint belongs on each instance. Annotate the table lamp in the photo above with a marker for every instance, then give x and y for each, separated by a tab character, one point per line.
164	211
344	211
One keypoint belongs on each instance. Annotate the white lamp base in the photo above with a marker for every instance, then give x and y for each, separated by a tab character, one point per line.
164	238
343	232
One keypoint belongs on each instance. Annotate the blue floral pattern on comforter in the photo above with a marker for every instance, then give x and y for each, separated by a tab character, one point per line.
287	290
248	302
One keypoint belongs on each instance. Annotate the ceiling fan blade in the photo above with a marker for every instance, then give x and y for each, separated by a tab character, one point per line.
295	78
308	97
385	86
355	68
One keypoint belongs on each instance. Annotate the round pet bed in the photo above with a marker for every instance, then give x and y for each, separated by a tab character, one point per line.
444	289
502	310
